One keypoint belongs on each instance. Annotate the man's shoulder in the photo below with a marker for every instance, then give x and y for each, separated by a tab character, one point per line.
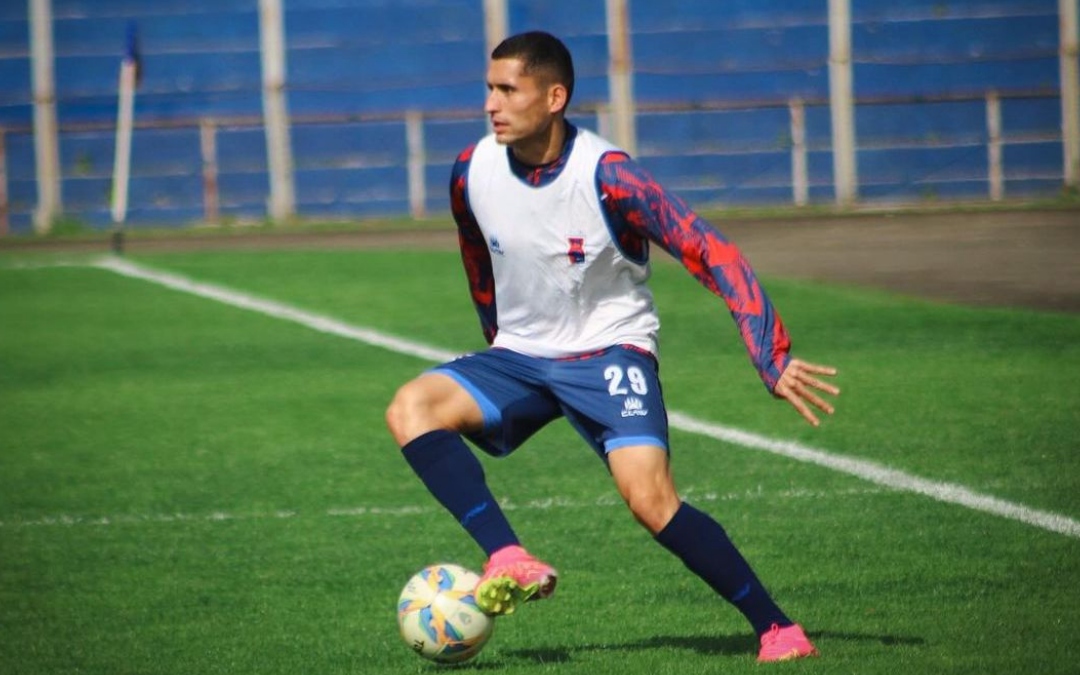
594	142
467	154
481	147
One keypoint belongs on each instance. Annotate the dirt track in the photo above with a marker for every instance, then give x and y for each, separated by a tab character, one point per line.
1021	258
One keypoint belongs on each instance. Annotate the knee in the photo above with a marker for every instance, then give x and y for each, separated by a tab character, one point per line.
653	508
430	403
405	416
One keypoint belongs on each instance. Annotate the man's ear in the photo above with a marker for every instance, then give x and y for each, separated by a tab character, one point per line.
557	98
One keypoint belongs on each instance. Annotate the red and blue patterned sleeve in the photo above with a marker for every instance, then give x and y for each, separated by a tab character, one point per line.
474	250
636	203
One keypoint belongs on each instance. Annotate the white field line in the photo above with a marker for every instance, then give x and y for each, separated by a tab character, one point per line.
545	504
881	475
323	324
866	470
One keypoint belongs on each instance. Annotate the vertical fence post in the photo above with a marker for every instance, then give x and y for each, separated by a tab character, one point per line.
603	121
996	173
800	183
621	75
496	29
282	203
46	135
208	150
1070	90
841	102
417	163
496	24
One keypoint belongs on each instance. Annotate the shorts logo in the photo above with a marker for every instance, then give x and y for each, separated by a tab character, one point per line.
493	244
634	407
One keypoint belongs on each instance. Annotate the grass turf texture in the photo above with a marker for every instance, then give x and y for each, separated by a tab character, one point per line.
189	487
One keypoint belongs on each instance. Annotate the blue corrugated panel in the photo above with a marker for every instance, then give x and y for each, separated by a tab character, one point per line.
458	96
752	49
14	36
972	79
714	132
445	139
695	15
960	190
1039	117
564	18
818	120
956	40
241	150
91	9
243	193
734	87
1032	160
15	92
947	56
905	124
922	173
91	197
19	149
399	26
22	196
374	191
375	78
819	170
325	146
437	195
948	9
732	173
1035	188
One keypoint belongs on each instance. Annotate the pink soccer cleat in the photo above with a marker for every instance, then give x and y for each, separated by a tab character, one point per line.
785	644
511	577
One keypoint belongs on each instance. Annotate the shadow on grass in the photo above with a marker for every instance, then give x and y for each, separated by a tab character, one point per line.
723	645
884	640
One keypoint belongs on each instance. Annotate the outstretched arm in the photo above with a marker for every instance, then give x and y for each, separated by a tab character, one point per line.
637	206
474	250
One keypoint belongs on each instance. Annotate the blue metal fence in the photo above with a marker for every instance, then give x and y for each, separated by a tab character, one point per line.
713	80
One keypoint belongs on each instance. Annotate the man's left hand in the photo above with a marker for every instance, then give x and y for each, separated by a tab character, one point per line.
797	384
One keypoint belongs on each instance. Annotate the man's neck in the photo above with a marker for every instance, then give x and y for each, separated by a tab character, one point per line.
543	148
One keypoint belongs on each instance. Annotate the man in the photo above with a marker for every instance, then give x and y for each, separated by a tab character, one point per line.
554	225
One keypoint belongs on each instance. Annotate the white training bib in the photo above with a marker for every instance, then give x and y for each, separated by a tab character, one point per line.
562	284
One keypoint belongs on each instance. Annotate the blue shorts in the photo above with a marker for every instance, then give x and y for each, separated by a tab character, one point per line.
612	398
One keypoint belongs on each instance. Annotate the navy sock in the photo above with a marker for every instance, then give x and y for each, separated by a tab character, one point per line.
704	547
454	475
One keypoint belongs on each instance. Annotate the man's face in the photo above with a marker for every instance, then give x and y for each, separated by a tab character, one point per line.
519	105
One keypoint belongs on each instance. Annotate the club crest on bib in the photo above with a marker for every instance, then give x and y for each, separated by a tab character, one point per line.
577	250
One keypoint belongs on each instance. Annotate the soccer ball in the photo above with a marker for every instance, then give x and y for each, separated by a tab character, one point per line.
438	616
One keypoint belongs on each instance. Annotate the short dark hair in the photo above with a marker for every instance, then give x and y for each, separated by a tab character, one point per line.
540	51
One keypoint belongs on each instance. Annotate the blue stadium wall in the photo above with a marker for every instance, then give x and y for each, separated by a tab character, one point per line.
921	70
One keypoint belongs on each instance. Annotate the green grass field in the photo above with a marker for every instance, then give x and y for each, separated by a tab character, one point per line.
190	487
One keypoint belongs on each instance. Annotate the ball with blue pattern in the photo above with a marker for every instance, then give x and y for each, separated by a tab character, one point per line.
438	616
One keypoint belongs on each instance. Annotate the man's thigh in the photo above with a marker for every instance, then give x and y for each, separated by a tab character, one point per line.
613	399
512	395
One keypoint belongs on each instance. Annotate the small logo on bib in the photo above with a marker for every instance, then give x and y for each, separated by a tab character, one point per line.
577	250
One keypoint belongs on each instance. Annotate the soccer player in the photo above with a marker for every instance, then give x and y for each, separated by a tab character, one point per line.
554	225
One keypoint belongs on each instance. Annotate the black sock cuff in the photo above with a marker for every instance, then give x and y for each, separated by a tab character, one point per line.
428	449
673	531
